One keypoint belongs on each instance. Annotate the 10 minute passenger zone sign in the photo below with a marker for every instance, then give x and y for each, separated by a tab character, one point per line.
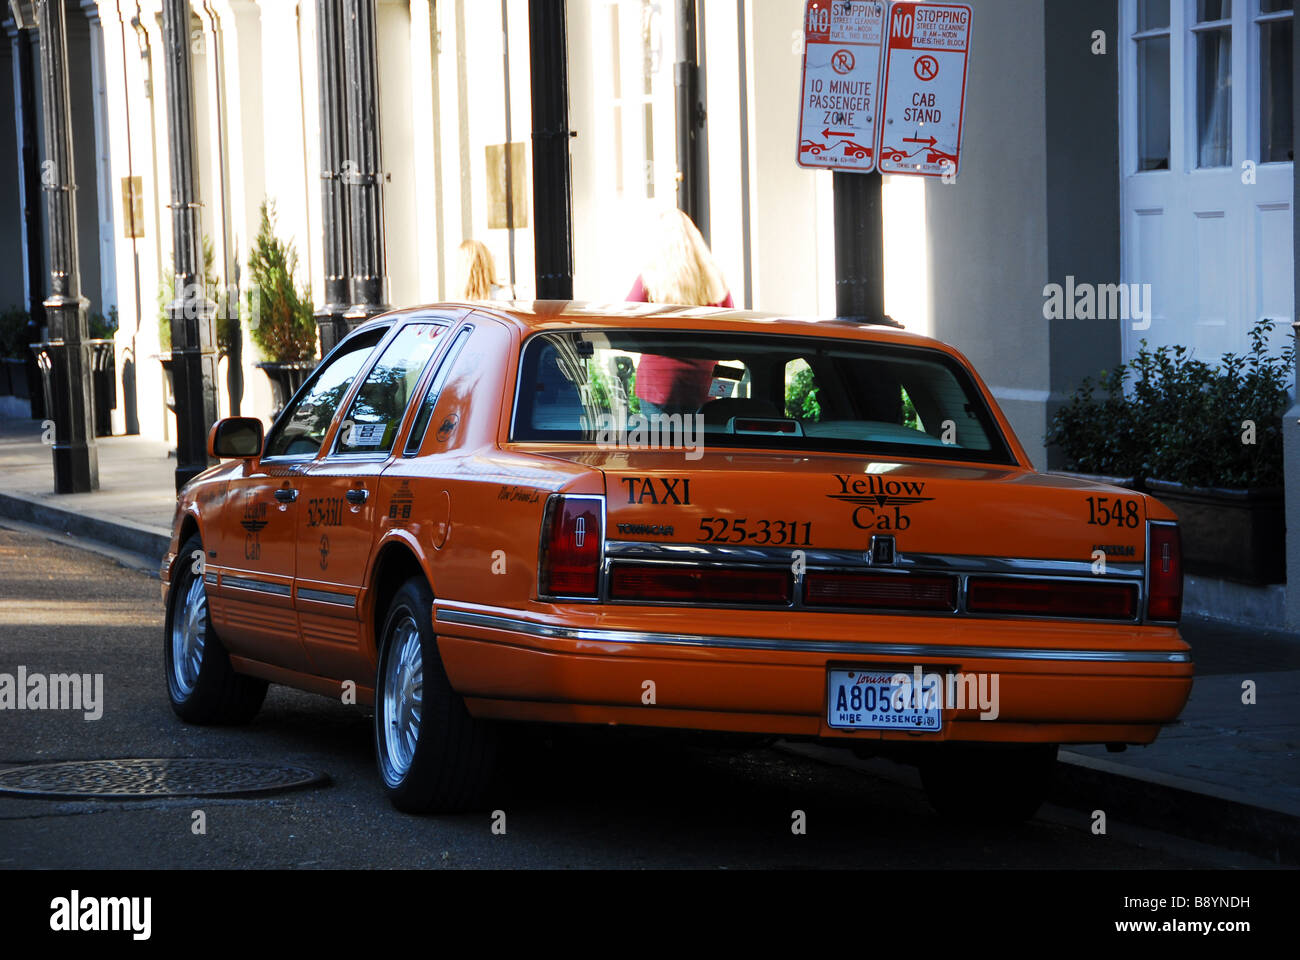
841	79
898	109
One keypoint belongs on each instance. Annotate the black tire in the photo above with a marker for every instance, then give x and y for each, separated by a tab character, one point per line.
988	783
215	694
448	762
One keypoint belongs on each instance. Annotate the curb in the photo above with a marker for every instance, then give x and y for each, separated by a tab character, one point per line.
123	535
1196	811
1193	809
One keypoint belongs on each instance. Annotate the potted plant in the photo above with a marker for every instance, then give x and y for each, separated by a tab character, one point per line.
1206	439
13	352
282	323
166	294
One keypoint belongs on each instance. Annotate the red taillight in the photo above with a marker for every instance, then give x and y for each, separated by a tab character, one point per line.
573	537
1053	598
901	592
662	583
1165	573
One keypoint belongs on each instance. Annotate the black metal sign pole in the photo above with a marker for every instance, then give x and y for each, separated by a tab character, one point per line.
76	461
552	174
334	194
364	174
191	313
859	247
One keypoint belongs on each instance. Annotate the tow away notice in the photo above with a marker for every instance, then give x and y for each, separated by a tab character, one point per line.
843	40
924	97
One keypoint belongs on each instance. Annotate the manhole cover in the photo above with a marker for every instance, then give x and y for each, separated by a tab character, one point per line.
125	779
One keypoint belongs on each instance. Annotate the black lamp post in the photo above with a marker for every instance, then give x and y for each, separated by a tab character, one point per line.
191	314
334	193
76	463
552	171
362	171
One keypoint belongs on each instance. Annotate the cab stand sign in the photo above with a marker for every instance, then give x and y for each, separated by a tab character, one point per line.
884	86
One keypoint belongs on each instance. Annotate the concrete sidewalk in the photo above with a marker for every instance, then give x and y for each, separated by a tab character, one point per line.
1227	772
132	509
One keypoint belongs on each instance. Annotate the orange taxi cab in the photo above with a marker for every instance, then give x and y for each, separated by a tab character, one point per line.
471	516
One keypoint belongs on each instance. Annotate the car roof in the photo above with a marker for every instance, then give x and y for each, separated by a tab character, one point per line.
536	316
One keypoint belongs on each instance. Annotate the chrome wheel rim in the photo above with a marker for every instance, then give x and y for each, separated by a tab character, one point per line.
189	632
403	698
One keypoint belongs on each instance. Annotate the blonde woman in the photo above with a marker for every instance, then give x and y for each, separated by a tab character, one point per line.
680	269
477	272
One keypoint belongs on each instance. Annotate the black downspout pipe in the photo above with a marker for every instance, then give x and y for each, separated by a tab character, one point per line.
692	160
194	356
76	460
552	171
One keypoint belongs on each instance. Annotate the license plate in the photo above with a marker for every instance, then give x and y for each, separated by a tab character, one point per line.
870	700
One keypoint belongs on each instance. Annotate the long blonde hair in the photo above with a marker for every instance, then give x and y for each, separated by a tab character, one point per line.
679	267
476	270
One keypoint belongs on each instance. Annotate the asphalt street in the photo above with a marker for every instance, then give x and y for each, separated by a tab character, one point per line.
572	799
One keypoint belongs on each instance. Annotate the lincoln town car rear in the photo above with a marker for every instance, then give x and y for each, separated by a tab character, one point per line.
475	518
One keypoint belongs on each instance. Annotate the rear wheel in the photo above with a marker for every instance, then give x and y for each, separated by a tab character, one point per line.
202	685
433	756
988	783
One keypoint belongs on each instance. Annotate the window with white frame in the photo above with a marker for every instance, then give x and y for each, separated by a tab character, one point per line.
1212	83
1274	22
635	96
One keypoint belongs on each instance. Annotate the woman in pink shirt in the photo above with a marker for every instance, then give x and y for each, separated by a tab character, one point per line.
682	271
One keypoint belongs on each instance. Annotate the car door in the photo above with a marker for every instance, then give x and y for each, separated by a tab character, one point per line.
340	494
253	607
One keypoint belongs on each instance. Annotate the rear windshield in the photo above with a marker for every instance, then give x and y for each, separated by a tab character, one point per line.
617	387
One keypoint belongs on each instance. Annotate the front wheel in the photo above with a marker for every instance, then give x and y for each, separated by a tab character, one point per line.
433	756
202	685
988	783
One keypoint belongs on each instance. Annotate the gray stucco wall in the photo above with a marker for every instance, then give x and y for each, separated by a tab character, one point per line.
1083	183
988	232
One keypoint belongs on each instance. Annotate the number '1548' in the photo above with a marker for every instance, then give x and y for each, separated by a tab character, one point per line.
1112	511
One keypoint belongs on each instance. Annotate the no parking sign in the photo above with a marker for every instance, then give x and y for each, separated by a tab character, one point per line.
924	100
841	79
884	86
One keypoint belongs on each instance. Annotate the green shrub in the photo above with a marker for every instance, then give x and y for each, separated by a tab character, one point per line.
1169	416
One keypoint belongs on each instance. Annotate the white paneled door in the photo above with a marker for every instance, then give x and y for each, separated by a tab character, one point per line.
1207	148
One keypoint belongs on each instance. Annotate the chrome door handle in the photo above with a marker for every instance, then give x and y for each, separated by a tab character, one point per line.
286	495
358	496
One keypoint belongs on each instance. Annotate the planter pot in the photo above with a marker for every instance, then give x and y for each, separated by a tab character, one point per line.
1132	483
103	385
285	379
169	397
1235	535
16	371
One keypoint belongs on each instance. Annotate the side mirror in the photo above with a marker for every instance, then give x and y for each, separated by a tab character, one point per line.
236	438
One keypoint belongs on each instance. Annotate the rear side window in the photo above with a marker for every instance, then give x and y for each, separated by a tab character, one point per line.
754	391
440	378
376	414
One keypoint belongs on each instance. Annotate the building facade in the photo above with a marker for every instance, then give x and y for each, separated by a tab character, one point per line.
1138	143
